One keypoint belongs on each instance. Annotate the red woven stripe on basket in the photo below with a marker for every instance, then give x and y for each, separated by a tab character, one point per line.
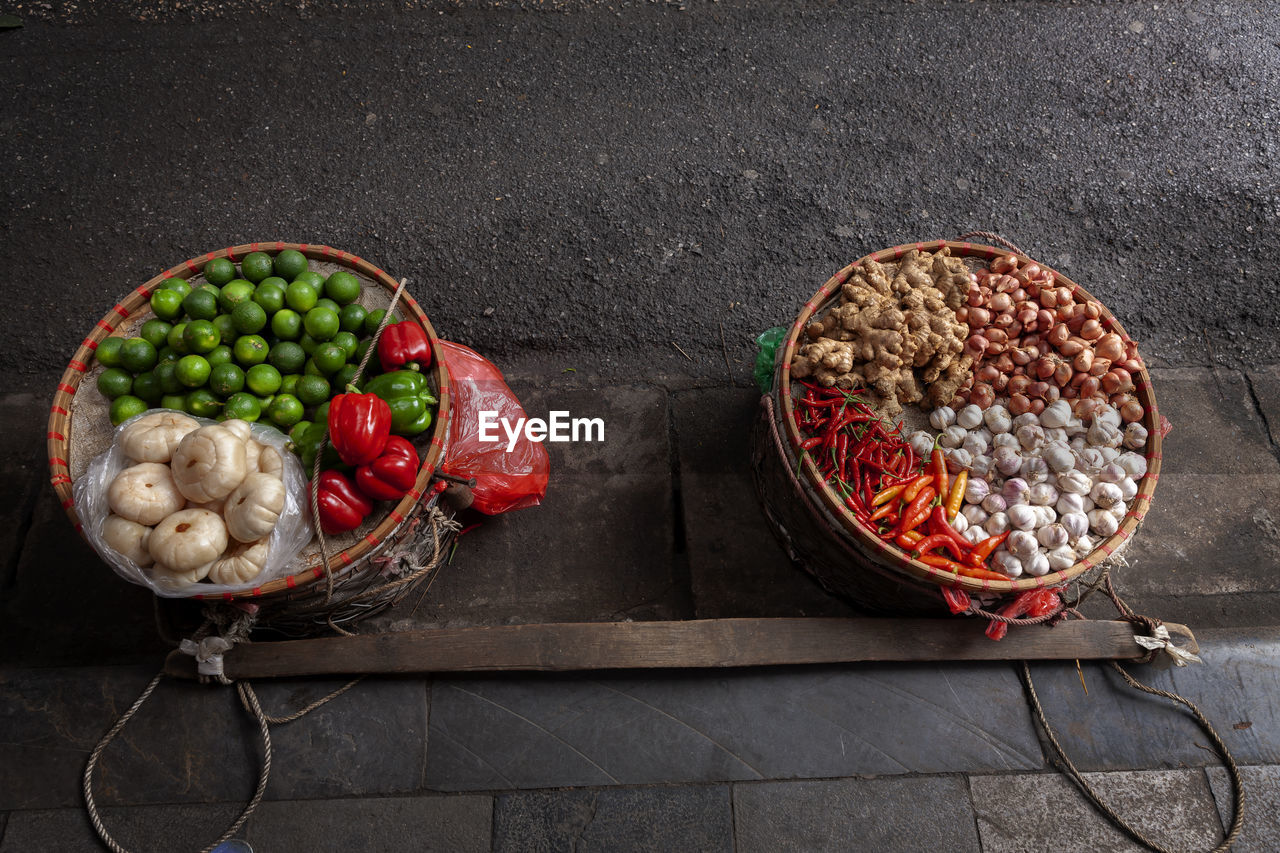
68	503
257	590
103	324
78	366
190	266
56	436
59	480
59	462
345	558
58	410
90	343
65	388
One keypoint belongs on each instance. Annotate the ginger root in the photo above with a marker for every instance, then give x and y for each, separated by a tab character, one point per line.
897	336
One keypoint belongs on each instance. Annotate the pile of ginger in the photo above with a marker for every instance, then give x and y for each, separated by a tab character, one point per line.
898	337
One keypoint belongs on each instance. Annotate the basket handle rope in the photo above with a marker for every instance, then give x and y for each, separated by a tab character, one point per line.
993	237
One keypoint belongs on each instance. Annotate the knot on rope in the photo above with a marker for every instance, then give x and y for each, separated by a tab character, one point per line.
1157	640
208	653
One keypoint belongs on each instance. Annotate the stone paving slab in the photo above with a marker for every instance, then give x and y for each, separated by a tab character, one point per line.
1261	830
618	820
23	471
194	743
1115	727
178	827
552	731
903	814
1045	811
598	547
1265	382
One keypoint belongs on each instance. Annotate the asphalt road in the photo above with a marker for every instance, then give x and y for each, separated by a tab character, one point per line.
581	185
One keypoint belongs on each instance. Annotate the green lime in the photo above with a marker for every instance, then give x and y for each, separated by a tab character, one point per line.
364	348
262	379
312	278
203	404
146	386
329	358
349	343
167	353
287	324
300	296
221	354
310	369
201	304
289	264
166	374
249	318
137	355
322	413
373	318
287	357
250	350
351	317
313	390
285	411
299	431
256	266
108	351
155	331
226	379
242	405
326	302
289	383
201	336
179	285
308	344
219	271
175	339
321	323
209	288
345	376
174	401
270	294
226	328
125	407
192	370
342	287
167	304
115	382
233	293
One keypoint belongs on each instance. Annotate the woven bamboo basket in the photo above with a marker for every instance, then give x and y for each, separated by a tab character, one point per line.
823	534
79	429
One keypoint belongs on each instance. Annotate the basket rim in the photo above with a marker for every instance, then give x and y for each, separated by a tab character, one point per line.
137	302
888	554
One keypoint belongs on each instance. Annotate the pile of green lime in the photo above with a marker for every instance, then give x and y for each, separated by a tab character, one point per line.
272	341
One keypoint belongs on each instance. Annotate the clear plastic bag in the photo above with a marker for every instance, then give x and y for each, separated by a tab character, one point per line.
290	535
504	480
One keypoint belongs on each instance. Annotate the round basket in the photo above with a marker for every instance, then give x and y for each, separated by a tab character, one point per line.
823	534
79	426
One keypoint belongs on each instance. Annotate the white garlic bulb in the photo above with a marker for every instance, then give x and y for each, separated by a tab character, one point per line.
1035	470
1104	434
1128	489
1021	543
1021	517
1015	490
975	514
1036	565
1044	515
1106	495
942	417
1134	464
982	467
960	524
1057	435
1052	536
921	443
958	458
1061	559
1108	415
974	534
997	419
1007	461
1075	482
975	444
1056	415
1031	437
976	490
1090	460
995	502
1135	436
1005	439
996	523
1111	473
1068	502
1058	457
1076	524
952	436
1006	563
1103	523
969	417
1084	545
1025	419
1043	494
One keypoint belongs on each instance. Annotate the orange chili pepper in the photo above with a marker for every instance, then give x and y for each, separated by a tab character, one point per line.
940	470
883	512
956	497
908	540
984	548
913	488
961	569
888	494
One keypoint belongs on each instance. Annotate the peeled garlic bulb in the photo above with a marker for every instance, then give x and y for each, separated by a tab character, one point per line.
153	437
209	463
144	493
253	509
128	538
241	564
188	539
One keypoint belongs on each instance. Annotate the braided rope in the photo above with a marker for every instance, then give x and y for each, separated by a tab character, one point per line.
994	238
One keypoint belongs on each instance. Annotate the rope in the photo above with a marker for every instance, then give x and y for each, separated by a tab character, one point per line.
1069	769
994	238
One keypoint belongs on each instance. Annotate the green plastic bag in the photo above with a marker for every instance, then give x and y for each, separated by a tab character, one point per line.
769	340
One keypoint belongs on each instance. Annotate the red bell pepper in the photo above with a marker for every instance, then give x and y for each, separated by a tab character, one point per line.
342	506
359	425
392	474
404	346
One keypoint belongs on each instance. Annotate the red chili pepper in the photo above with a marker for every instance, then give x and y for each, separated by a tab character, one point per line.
937	540
811	443
938	525
404	346
984	548
341	505
940	470
1020	606
392	474
908	540
918	510
359	425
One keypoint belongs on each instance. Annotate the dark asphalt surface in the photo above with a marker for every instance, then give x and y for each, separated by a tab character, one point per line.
609	179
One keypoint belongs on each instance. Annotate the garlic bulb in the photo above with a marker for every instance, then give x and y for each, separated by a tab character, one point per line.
1128	489
975	444
208	464
1078	443
1111	473
958	458
996	523
1035	470
1075	427
271	462
1058	457
942	417
152	437
1021	517
1044	515
1005	439
128	538
1084	545
1061	559
1076	524
952	436
1134	464
1090	460
1043	494
1056	415
976	490
974	534
969	417
1068	503
1109	415
1015	490
1021	543
178	579
239	427
1056	436
1052	536
1103	523
1031	437
997	419
188	539
975	514
921	443
1106	495
960	524
1025	419
144	493
1109	454
982	467
1006	563
1135	436
1036	565
995	502
1075	482
1103	434
1007	461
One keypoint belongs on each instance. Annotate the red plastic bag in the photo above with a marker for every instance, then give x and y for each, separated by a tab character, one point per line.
504	480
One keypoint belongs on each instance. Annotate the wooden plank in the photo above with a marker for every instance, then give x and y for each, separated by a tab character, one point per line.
703	643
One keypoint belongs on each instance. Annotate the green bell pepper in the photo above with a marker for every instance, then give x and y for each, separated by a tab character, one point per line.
410	398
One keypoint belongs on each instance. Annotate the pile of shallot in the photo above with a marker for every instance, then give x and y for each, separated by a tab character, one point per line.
1053	483
1033	342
